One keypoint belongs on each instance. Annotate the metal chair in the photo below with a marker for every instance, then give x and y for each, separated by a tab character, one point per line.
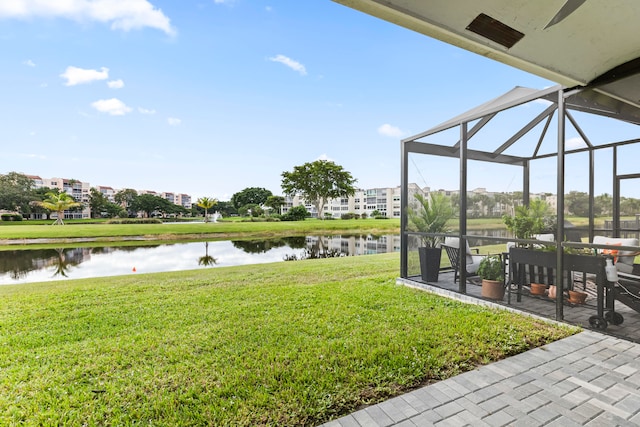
472	261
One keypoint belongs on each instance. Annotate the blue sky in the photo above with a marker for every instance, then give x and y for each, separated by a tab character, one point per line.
209	97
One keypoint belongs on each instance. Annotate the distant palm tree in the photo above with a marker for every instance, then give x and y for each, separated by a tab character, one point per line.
206	203
58	203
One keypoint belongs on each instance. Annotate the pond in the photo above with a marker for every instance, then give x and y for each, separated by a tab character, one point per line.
41	265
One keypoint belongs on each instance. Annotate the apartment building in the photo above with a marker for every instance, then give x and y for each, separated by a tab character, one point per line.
77	189
81	191
108	192
384	200
184	200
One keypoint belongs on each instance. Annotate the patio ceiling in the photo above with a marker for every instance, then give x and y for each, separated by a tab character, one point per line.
572	42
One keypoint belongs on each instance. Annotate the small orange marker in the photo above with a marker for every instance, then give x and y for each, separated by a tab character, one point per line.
134	269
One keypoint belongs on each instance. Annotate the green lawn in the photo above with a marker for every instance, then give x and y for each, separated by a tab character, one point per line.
24	230
295	343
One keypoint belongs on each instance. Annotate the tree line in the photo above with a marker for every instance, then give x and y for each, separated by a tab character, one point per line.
316	181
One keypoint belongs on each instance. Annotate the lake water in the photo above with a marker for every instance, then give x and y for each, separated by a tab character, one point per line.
41	265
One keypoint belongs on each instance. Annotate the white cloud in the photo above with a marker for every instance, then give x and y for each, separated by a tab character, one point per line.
115	84
76	76
223	1
123	15
391	131
294	65
112	106
173	121
145	111
575	142
29	63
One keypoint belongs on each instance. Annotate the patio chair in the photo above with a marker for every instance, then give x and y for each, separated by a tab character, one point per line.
624	260
472	261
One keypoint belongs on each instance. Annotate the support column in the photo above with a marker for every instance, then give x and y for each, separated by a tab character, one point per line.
404	201
616	195
462	283
560	209
592	180
526	177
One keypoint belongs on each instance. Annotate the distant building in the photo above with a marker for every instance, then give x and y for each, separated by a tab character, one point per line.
80	191
108	192
386	201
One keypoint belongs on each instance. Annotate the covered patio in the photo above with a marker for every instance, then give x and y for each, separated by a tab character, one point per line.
568	108
593	59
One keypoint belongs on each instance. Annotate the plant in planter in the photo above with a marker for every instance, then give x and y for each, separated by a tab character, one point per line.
430	216
491	271
530	220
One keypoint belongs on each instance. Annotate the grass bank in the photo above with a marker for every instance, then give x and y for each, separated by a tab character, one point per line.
277	344
222	230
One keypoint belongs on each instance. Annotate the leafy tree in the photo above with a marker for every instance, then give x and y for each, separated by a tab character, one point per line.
16	192
275	203
250	196
577	203
206	203
317	182
226	208
126	198
58	203
114	210
296	213
97	202
604	204
251	210
148	203
629	206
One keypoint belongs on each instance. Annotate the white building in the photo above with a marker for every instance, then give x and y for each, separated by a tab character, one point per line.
384	200
80	191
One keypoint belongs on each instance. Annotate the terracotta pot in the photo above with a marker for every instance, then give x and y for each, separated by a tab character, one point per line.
552	291
538	288
577	297
492	289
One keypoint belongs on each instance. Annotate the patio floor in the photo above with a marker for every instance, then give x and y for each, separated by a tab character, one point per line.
543	306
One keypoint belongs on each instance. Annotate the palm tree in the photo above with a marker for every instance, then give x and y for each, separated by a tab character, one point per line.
206	203
58	203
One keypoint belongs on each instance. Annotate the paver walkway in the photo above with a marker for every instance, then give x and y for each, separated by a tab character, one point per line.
587	379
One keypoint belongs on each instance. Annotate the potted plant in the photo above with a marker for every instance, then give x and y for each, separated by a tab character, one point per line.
530	220
430	216
491	271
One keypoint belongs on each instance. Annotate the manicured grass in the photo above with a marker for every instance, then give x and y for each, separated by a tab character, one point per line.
198	230
294	343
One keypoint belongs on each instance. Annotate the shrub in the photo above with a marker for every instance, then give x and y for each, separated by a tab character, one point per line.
349	215
134	221
11	217
296	213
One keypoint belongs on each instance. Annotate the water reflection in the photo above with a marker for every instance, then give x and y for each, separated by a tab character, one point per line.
38	265
206	260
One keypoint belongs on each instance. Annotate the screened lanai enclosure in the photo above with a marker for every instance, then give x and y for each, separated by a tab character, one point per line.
581	135
522	136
